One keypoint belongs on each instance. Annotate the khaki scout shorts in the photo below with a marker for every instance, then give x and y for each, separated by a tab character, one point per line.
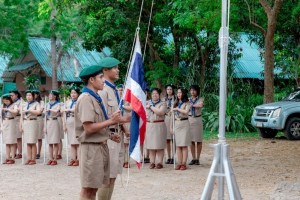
94	165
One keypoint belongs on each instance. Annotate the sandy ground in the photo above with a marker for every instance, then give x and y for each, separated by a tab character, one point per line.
258	165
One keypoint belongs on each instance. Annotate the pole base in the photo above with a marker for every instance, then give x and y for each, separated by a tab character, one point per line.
221	168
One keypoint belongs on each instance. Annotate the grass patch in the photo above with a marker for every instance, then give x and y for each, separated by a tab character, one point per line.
211	135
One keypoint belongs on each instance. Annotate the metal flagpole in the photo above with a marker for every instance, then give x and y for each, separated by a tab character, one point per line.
21	125
45	129
173	128
221	166
64	125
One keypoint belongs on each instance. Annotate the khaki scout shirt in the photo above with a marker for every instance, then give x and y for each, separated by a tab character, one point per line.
151	116
18	104
87	109
10	114
53	114
33	106
184	106
110	100
198	111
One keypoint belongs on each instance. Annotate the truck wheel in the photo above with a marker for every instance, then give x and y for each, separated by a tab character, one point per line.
292	129
267	132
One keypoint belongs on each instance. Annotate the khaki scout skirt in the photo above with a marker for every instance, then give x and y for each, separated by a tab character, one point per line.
182	133
156	135
71	131
61	131
53	134
30	128
196	127
116	156
17	120
40	121
167	121
9	131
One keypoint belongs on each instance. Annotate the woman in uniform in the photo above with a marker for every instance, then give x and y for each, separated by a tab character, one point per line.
16	97
37	98
170	98
126	109
182	128
70	126
156	130
61	131
196	123
9	111
31	109
52	128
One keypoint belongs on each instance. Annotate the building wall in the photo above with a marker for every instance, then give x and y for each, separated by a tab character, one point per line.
28	57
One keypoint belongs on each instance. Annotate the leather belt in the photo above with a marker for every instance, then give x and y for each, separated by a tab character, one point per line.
115	130
28	119
181	119
39	115
155	121
194	116
52	118
70	116
95	143
8	118
18	115
169	114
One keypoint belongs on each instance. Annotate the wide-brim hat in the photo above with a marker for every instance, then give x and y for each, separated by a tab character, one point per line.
14	90
109	62
120	86
36	91
55	92
90	71
7	95
155	89
77	89
29	91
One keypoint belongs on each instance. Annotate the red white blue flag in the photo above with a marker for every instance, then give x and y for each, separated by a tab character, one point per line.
134	93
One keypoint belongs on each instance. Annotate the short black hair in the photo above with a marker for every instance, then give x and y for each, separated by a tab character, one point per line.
195	87
86	79
184	98
17	93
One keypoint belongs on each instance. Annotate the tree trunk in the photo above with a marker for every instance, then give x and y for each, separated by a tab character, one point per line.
53	51
177	46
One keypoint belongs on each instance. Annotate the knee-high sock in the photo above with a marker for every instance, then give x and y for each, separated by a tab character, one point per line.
111	190
102	193
126	155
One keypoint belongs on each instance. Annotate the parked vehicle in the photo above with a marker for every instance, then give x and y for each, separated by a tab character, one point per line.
283	116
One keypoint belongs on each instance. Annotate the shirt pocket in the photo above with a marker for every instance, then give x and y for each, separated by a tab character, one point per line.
112	106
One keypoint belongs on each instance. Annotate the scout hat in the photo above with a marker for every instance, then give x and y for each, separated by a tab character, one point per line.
120	86
170	85
14	90
28	91
109	62
36	91
7	95
90	71
155	89
55	92
77	89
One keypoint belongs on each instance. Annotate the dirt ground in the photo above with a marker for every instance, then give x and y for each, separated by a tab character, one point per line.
258	164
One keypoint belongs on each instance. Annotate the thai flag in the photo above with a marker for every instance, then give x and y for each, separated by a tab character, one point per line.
134	93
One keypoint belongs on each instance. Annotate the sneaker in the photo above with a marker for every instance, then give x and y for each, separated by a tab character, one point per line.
197	162
168	161
171	161
192	162
37	156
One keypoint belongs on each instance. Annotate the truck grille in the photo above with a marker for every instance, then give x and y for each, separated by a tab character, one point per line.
263	112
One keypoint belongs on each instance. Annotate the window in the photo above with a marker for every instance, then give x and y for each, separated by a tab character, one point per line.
43	80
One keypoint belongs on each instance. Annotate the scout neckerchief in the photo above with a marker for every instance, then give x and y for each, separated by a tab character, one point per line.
179	104
169	101
5	112
117	94
154	104
193	103
28	104
73	102
16	100
122	108
98	98
51	105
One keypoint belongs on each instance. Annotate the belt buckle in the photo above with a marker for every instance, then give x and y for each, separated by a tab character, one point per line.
5	118
169	114
151	121
193	116
50	119
178	119
104	142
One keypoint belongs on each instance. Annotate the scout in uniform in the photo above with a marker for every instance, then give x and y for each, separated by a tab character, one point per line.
146	158
182	127
52	129
31	109
125	110
60	130
91	128
70	126
16	97
37	98
196	124
9	111
111	99
156	130
170	98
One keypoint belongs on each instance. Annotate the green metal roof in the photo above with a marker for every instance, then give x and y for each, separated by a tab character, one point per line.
3	63
8	86
22	66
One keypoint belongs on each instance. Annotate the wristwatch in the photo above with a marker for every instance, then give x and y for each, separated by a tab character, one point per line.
110	136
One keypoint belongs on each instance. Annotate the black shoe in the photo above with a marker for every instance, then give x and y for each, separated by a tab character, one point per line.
171	161
146	160
168	161
37	156
192	162
197	162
